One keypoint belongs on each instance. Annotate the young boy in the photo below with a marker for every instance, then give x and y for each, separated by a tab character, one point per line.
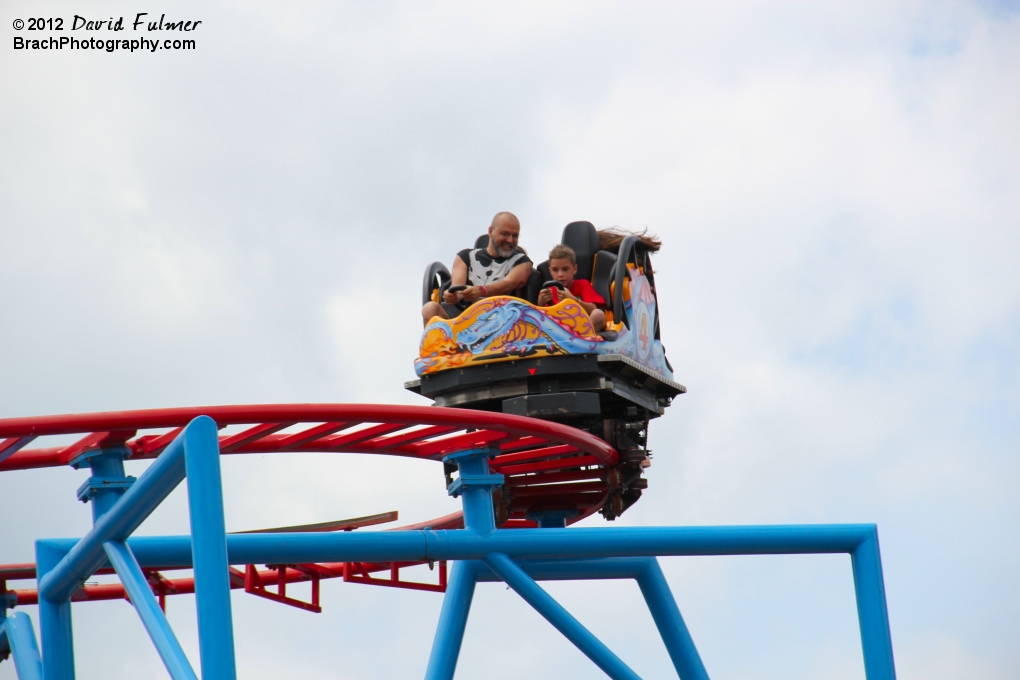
563	268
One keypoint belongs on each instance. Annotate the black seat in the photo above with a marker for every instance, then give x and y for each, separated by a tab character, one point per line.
482	241
584	241
535	281
593	264
539	275
543	271
603	271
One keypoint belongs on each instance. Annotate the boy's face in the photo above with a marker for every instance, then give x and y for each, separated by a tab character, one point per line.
562	270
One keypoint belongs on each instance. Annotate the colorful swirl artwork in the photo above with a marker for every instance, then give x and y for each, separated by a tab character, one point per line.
504	328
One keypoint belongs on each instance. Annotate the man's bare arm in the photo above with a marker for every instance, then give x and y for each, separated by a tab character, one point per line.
457	278
460	272
517	277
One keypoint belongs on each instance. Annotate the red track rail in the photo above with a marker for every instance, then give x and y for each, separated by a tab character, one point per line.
547	466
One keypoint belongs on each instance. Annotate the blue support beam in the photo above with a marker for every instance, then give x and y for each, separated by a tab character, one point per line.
54	617
654	588
460	590
137	587
603	568
480	552
423	545
116	524
17	636
872	614
108	481
475	485
209	548
670	623
195	454
559	617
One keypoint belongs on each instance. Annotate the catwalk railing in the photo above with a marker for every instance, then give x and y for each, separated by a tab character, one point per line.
479	552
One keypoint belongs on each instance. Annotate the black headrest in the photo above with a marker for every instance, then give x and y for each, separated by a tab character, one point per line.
584	240
543	269
482	241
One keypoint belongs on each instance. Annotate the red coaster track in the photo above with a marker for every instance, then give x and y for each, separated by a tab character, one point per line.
547	466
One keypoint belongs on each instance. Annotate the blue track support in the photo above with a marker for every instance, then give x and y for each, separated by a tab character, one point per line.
152	616
479	552
17	635
460	590
54	618
670	623
137	503
876	638
194	452
462	544
108	482
209	548
646	571
578	543
559	617
475	488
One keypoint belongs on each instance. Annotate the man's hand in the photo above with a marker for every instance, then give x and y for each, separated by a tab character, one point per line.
469	295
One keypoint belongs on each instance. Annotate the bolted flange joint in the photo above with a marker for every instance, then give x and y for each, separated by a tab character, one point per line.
472	463
94	485
489	481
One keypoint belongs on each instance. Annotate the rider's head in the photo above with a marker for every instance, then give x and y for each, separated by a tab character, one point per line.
503	234
563	264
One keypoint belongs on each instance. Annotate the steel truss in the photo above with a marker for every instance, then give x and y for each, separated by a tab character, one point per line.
479	552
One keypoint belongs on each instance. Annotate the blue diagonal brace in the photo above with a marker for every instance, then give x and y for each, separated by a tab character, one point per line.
169	649
670	623
559	617
16	634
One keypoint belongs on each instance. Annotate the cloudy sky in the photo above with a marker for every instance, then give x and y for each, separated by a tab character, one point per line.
838	189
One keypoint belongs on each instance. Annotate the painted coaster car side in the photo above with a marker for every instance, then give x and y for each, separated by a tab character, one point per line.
504	328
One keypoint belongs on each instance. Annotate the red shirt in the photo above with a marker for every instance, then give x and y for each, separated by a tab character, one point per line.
584	291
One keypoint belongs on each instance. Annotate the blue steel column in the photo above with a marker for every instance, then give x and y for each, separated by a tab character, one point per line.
670	623
108	481
474	486
876	638
54	620
85	556
209	549
559	617
460	589
552	519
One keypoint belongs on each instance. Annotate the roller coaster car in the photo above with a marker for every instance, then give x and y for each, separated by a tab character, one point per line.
506	354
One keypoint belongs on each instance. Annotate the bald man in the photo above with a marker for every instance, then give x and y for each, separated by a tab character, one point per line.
501	268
